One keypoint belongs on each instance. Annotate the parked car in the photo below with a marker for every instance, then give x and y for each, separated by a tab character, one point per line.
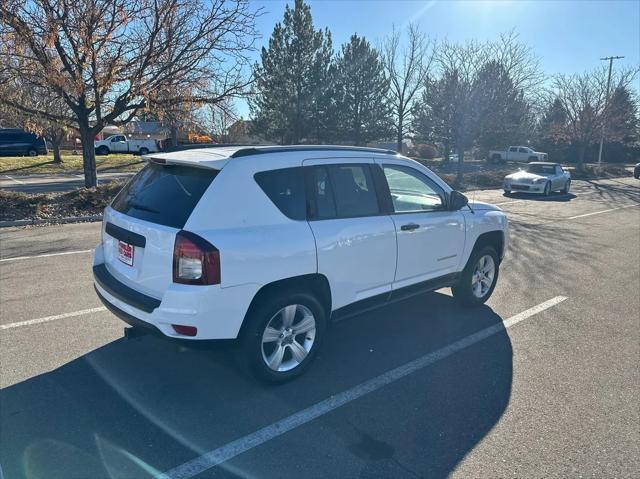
120	144
267	244
539	177
636	171
520	154
14	141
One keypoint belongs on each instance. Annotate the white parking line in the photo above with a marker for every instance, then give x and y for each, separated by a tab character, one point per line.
250	441
603	211
52	318
19	258
13	179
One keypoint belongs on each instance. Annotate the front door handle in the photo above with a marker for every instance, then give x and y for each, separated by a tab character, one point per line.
410	227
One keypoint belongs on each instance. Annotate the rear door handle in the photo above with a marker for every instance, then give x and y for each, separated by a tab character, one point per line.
410	227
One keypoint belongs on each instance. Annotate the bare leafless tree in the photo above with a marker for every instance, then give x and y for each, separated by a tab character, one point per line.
460	65
583	98
36	99
110	59
219	118
407	68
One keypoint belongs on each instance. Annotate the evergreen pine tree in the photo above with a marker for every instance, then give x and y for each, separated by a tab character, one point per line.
290	104
363	112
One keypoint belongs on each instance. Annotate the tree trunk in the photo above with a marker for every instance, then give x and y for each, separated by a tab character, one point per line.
460	164
446	150
55	144
174	135
581	152
400	135
88	154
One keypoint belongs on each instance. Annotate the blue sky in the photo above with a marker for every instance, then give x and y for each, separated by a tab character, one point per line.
567	36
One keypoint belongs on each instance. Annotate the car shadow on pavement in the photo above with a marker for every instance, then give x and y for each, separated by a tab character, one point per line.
558	197
134	408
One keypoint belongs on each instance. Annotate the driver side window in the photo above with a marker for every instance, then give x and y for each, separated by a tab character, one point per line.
412	191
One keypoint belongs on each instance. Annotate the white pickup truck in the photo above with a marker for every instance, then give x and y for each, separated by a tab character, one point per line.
520	154
120	144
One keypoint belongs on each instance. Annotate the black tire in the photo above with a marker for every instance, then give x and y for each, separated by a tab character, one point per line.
532	158
102	150
547	189
566	188
463	289
507	192
32	152
143	151
496	158
251	352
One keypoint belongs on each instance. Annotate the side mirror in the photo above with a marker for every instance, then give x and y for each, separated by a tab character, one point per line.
457	201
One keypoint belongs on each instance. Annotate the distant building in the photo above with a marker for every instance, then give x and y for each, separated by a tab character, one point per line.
154	130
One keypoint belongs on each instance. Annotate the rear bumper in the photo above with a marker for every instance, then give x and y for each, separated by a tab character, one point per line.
126	317
216	312
119	290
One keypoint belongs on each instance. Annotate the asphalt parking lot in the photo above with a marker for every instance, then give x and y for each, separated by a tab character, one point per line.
543	381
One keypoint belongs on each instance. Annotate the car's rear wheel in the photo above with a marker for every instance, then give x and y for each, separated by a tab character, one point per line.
144	151
496	158
32	152
567	187
282	336
102	150
479	277
507	192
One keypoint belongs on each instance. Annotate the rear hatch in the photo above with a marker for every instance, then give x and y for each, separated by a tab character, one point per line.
140	226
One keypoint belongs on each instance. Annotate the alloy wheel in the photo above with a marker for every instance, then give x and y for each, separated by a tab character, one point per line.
288	337
483	276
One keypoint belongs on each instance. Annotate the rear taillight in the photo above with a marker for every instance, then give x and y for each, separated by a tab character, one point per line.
195	260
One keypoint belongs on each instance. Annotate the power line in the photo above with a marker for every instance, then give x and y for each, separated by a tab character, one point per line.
606	102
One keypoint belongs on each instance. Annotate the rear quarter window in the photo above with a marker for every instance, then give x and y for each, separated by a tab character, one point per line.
285	188
164	194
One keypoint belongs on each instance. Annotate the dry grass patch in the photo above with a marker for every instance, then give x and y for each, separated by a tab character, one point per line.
43	206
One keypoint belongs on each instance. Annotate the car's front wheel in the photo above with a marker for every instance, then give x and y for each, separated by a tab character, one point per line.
567	187
478	280
547	189
282	336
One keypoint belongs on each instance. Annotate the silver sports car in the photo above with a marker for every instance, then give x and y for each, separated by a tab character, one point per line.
539	177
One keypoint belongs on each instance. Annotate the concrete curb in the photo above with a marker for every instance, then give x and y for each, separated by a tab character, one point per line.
52	221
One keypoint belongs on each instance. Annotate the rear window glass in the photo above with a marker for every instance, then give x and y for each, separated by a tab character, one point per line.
353	191
164	194
285	188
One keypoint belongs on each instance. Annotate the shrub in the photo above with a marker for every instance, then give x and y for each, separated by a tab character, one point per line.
427	151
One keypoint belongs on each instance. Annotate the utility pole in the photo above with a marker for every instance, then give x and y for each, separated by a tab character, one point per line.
606	102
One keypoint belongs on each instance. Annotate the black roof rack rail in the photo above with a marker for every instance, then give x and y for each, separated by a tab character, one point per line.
264	149
196	146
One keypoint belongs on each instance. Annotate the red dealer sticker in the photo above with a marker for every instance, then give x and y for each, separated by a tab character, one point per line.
125	253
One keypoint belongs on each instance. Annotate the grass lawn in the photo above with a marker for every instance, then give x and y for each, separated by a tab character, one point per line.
28	165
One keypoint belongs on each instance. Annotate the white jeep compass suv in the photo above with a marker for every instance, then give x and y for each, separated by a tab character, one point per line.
268	244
